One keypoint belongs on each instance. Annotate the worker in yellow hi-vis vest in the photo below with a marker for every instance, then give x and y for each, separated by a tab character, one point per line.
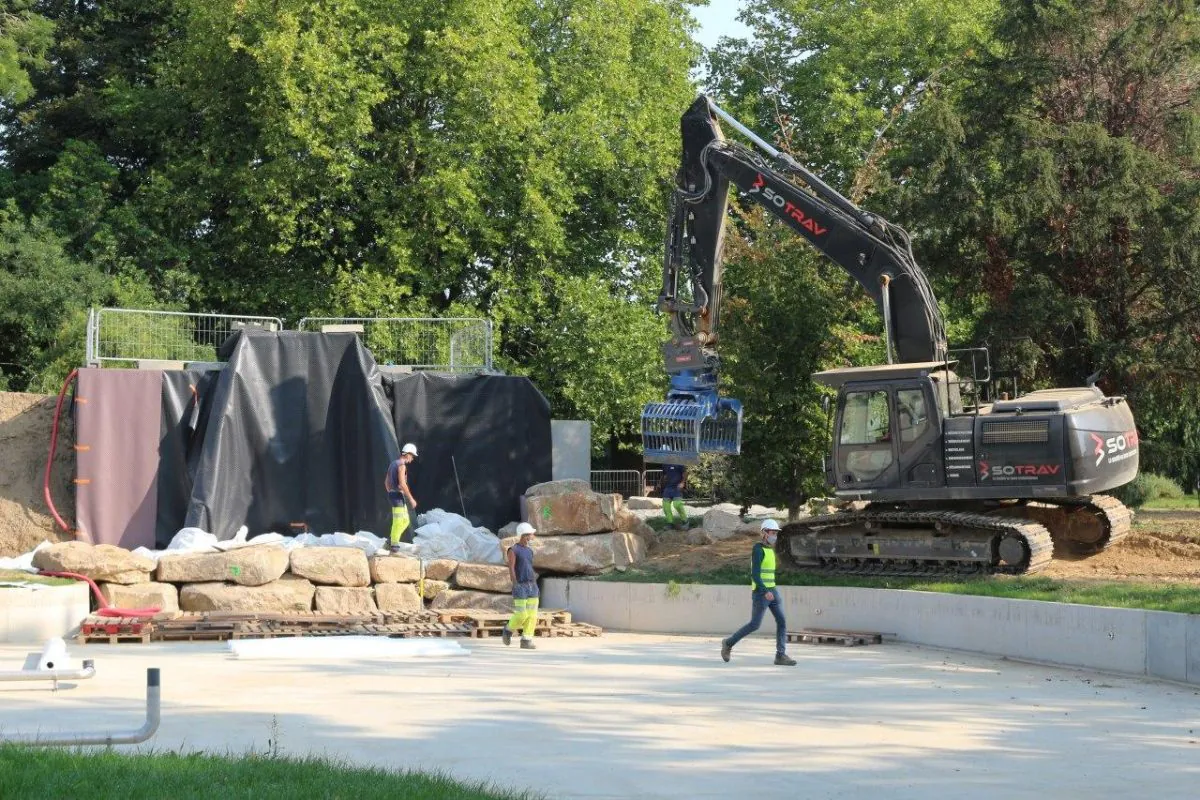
765	595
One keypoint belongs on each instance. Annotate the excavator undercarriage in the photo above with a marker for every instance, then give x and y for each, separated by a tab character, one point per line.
1016	538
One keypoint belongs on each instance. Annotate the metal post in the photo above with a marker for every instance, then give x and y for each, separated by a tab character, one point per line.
153	716
884	282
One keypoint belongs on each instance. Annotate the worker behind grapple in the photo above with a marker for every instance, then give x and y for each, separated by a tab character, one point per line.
672	482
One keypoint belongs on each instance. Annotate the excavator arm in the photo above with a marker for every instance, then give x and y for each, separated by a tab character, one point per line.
876	253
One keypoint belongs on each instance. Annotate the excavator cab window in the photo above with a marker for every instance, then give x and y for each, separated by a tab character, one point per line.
914	417
865	448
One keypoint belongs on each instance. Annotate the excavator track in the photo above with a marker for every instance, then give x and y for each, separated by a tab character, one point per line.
917	543
1078	525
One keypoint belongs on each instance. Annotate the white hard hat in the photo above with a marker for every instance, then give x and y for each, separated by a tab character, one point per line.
525	529
769	525
410	448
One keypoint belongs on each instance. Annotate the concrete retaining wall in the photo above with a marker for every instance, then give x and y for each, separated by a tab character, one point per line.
1154	643
31	616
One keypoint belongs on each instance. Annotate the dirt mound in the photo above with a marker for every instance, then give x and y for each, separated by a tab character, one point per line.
25	422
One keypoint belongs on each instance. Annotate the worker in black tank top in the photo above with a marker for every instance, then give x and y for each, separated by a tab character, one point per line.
525	589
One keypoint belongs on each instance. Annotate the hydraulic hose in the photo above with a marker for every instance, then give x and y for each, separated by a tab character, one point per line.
103	608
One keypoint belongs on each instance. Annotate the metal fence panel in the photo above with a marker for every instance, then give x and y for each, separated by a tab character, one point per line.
625	482
131	335
448	344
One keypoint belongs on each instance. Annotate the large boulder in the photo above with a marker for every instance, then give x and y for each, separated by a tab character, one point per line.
440	569
549	488
629	522
346	600
483	601
487	577
142	595
395	569
431	588
289	593
398	598
100	562
721	524
644	503
332	566
573	513
585	555
246	566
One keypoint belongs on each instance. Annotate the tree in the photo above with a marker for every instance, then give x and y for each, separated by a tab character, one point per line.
370	157
833	81
788	316
41	289
24	38
1058	186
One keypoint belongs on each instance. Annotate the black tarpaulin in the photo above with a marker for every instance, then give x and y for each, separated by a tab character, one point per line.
298	435
495	428
186	403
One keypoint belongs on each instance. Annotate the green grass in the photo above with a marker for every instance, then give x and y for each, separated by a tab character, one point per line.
1189	503
1184	598
17	575
33	773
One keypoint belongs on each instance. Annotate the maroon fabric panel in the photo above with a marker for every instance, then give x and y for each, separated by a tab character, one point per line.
118	417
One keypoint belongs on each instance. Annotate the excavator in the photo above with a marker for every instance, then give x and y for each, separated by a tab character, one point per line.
942	474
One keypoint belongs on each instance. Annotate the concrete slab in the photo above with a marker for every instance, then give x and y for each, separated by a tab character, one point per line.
645	716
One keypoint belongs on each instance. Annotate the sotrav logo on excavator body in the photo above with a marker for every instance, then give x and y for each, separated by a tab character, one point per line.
1114	448
808	223
987	470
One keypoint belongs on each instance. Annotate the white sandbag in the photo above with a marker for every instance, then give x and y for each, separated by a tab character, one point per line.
23	562
192	540
344	648
483	547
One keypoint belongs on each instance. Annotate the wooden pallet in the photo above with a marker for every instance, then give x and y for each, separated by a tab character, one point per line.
114	630
844	638
567	629
498	619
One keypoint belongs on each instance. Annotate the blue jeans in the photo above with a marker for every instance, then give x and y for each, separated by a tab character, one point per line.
761	604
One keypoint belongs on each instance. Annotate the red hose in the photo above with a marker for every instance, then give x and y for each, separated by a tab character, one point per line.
53	446
104	609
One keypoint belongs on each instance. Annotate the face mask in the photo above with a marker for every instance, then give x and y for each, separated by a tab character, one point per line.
771	537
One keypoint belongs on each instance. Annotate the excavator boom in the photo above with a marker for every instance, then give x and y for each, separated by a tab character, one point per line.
694	419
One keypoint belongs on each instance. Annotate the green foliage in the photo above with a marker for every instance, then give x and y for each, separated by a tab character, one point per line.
1146	488
36	773
42	293
788	316
591	347
24	38
1056	184
372	158
792	313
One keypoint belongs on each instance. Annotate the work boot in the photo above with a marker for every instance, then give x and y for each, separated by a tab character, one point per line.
783	660
527	644
726	650
396	550
506	637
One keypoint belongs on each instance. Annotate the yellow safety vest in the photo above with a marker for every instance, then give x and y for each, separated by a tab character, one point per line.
767	572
